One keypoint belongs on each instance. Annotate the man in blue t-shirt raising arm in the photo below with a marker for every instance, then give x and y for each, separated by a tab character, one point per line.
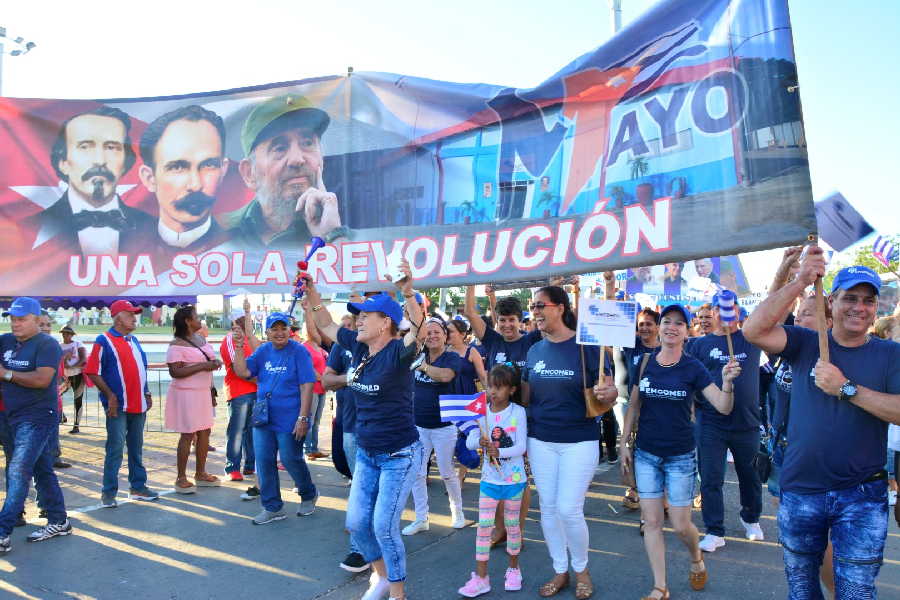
30	360
833	479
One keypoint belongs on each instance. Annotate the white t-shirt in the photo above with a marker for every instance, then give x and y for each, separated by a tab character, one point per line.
70	355
509	427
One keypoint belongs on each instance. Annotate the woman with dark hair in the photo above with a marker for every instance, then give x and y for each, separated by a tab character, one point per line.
389	453
473	370
562	441
189	401
433	377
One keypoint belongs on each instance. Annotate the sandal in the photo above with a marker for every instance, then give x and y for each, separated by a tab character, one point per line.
663	591
584	589
631	501
698	579
184	486
553	587
641	528
206	480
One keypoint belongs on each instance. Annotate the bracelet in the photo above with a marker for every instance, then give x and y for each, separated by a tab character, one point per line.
731	391
317	308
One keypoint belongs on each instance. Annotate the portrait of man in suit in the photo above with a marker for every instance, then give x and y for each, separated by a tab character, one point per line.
183	152
92	152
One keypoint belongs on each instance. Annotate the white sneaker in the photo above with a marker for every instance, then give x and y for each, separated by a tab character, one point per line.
754	531
415	527
710	542
458	517
378	587
729	456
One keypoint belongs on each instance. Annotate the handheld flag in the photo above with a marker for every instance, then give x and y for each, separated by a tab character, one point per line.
725	300
884	250
458	409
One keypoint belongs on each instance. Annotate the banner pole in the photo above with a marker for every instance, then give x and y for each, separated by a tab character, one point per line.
821	325
730	345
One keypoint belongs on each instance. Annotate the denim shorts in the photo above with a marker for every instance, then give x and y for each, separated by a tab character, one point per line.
677	475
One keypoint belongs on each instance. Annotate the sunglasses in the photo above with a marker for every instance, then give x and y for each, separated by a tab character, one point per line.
541	305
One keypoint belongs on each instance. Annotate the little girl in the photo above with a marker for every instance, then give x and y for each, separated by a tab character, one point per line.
503	435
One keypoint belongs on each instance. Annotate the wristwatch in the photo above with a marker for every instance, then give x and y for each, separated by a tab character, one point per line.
7	376
848	390
303	419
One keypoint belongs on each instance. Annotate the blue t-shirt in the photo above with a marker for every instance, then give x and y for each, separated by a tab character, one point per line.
383	391
427	407
279	374
498	351
29	404
712	351
664	426
464	382
556	407
834	444
633	358
339	359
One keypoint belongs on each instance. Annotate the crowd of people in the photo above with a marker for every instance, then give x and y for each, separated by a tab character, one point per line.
696	389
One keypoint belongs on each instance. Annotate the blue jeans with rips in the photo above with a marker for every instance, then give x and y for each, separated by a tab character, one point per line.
269	445
32	457
381	485
125	429
857	520
240	434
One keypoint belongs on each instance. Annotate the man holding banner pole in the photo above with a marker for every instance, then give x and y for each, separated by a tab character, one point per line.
833	481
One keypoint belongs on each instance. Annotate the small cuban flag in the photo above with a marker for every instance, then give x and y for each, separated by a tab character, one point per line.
463	410
726	300
884	250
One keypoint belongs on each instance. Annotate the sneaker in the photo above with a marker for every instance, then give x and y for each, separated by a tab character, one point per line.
476	586
5	545
75	429
252	493
50	530
613	459
236	476
710	542
267	517
211	449
280	466
249	472
415	527
355	563
144	494
108	501
512	582
307	507
754	531
378	587
61	464
458	517
316	454
21	522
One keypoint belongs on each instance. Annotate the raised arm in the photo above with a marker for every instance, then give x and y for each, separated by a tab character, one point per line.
478	363
790	263
471	312
413	310
248	328
321	316
312	332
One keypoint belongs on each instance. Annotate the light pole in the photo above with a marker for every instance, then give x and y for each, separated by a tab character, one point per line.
14	46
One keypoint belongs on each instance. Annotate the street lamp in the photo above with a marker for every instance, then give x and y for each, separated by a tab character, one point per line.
14	46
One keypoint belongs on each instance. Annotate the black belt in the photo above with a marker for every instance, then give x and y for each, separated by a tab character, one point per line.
877	476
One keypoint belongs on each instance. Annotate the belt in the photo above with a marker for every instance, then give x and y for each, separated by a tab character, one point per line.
877	476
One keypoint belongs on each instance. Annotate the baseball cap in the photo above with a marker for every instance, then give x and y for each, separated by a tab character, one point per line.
67	329
278	317
23	306
382	303
123	305
855	275
278	114
680	309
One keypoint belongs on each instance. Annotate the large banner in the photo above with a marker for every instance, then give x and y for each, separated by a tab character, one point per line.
680	138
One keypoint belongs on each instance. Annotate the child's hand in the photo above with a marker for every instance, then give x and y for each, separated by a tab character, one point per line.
493	452
486	443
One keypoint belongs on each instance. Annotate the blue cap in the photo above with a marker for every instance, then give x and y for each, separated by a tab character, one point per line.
278	317
382	303
23	306
743	314
853	276
526	316
677	307
620	295
419	298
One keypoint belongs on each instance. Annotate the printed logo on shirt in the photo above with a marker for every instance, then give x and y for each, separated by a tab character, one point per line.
717	354
11	362
368	389
271	369
648	390
784	377
540	367
422	377
500	358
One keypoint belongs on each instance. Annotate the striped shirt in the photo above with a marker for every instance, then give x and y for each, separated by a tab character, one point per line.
119	360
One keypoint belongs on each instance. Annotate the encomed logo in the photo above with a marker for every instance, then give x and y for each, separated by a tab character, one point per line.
540	367
646	388
500	357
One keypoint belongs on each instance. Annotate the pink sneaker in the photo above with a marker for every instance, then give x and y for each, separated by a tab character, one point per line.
476	586
512	582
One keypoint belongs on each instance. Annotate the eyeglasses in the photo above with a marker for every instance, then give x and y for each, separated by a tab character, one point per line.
541	305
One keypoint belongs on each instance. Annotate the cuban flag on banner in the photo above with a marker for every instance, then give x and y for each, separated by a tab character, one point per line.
463	410
884	250
726	301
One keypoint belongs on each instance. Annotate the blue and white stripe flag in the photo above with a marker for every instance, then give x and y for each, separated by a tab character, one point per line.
726	301
884	250
463	410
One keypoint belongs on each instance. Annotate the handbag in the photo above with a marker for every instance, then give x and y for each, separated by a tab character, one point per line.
592	407
259	414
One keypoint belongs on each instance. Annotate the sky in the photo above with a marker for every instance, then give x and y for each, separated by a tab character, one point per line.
845	54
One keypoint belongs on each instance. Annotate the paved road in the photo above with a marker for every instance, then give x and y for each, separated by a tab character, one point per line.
204	546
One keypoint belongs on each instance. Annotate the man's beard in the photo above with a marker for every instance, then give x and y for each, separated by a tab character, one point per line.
98	174
195	203
278	211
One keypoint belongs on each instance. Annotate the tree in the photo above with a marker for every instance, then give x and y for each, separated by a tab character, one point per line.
862	256
639	167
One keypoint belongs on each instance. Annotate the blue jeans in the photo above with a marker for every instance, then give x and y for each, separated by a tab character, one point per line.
126	429
268	446
349	443
714	443
857	519
6	442
676	475
312	437
32	457
381	486
240	434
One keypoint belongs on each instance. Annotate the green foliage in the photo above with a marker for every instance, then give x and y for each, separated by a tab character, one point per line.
861	256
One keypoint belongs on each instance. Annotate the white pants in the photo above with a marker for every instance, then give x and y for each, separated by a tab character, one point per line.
562	474
443	441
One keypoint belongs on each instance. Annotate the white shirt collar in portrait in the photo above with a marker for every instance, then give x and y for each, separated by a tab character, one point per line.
183	239
95	240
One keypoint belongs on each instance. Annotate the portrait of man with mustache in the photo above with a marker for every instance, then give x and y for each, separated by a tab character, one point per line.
183	152
92	152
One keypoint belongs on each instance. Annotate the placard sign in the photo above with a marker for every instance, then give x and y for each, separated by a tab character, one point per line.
606	323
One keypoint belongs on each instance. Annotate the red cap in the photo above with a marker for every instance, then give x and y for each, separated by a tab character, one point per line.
120	305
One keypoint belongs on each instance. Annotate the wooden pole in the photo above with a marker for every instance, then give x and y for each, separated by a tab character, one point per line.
821	325
728	339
